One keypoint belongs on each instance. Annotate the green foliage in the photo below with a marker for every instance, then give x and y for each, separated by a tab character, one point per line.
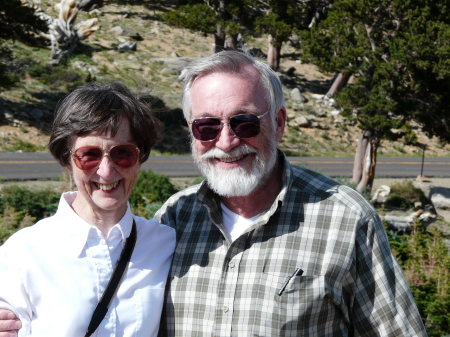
17	144
399	55
21	207
17	21
151	188
38	204
404	194
197	18
425	260
55	75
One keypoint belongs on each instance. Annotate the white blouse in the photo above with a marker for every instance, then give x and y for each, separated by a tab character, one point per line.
53	274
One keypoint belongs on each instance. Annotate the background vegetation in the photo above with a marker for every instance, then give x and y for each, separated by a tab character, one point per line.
396	53
423	255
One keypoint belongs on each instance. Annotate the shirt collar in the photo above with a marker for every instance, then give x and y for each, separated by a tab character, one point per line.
76	230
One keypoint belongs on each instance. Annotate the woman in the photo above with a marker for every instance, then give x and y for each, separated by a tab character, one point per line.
53	274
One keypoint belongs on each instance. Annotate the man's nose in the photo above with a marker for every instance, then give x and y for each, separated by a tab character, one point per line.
226	140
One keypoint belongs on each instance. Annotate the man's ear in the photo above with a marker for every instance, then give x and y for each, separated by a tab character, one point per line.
280	123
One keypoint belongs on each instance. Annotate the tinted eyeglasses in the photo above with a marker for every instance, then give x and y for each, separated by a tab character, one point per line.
207	129
89	157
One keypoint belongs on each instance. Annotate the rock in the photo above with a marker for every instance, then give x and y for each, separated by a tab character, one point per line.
297	96
125	64
128	46
128	32
381	193
335	112
440	198
302	121
36	114
398	132
170	71
317	96
175	64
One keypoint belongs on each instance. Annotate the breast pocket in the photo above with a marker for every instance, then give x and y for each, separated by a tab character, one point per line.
306	303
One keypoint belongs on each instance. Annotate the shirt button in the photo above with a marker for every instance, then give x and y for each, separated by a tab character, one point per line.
231	264
103	271
225	308
102	241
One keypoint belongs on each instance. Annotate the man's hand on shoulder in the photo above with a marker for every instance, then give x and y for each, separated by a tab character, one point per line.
9	324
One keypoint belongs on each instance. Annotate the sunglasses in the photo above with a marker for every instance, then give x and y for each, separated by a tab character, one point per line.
207	129
89	157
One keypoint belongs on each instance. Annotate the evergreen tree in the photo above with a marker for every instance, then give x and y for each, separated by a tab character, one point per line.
398	54
17	22
221	18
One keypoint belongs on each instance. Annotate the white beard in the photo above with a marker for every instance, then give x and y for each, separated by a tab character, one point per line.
238	181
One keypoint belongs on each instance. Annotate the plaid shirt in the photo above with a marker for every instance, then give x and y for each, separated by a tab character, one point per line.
351	285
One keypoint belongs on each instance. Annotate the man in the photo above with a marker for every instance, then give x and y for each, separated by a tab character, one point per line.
265	248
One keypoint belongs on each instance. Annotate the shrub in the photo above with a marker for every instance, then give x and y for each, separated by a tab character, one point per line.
151	188
55	76
404	194
38	204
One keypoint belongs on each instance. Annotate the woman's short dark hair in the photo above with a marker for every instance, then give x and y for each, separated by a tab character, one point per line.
102	107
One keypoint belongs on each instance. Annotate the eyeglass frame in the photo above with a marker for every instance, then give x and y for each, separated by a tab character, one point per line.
104	154
229	126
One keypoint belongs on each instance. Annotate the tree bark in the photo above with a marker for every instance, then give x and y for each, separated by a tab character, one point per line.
219	39
63	35
365	160
231	42
338	84
274	53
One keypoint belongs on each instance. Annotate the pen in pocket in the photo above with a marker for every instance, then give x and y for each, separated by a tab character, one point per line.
297	272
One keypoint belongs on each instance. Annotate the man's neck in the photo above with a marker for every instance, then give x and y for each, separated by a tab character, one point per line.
260	199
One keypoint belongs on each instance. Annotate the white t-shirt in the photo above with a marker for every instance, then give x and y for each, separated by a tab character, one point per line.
235	225
53	274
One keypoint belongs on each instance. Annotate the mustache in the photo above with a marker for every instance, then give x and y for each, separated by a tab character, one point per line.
236	152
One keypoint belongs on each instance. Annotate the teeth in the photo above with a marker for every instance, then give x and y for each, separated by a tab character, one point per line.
231	159
107	187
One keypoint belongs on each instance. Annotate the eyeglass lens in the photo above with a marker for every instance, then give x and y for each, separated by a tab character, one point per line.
89	157
208	128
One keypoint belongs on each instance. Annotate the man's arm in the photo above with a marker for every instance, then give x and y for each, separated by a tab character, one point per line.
383	303
9	324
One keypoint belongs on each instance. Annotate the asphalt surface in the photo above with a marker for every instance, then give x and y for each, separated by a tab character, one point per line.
38	165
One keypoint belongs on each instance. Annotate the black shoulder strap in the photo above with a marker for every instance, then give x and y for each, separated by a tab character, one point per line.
113	284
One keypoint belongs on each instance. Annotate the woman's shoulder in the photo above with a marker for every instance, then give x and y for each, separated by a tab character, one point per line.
152	227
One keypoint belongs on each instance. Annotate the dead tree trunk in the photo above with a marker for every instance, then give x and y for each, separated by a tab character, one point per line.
232	42
338	84
365	160
219	39
63	35
274	53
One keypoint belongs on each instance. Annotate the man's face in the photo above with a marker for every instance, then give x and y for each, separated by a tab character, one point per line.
234	166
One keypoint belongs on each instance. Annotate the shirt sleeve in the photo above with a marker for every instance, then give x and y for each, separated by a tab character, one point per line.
383	303
13	295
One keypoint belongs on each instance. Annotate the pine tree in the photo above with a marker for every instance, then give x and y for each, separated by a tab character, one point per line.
397	53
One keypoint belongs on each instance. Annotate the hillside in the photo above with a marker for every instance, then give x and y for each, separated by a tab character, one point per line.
26	110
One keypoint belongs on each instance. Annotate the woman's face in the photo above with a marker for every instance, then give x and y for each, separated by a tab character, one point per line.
103	191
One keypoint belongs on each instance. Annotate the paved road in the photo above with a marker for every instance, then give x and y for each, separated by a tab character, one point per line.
28	166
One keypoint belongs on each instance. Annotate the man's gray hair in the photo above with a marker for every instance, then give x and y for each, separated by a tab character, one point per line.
232	62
